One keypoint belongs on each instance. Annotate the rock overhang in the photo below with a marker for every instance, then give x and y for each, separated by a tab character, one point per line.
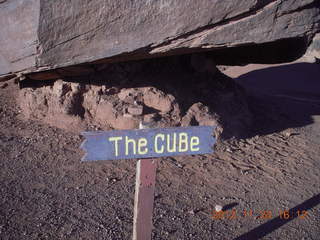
39	36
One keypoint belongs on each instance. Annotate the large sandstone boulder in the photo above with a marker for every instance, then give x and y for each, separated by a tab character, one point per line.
40	35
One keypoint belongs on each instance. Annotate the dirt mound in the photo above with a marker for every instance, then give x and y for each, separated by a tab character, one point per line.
143	95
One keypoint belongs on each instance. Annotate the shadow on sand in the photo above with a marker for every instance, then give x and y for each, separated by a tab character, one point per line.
274	224
282	97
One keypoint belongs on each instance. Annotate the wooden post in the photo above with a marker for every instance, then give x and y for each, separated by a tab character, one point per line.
144	198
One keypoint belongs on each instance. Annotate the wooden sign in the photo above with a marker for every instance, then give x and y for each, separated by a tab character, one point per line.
147	143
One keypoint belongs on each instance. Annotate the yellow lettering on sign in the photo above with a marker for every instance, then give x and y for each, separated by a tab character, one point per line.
133	143
116	146
183	140
158	136
173	147
142	143
195	141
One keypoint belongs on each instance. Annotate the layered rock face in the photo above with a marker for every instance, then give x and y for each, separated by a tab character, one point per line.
39	35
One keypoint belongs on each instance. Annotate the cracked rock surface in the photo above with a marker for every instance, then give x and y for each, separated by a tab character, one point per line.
38	35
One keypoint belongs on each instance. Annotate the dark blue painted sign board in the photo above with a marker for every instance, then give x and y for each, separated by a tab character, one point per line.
147	143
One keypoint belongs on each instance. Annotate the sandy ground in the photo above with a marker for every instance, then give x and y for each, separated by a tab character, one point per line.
47	193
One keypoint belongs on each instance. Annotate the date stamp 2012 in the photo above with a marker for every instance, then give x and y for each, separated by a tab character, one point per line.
262	214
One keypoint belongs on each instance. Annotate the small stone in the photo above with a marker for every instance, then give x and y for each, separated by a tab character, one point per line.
127	115
60	88
145	125
75	87
135	110
113	180
158	100
125	93
218	208
229	150
192	212
289	134
149	117
199	114
179	165
110	91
